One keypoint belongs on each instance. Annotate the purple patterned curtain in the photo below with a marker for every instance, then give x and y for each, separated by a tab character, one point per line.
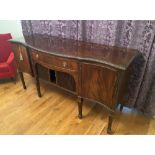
128	33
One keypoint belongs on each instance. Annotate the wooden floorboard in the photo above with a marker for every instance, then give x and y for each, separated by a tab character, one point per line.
23	112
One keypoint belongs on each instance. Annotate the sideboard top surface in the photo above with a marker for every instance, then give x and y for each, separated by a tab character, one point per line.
117	57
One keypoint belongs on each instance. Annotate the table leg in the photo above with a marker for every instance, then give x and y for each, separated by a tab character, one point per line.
37	80
109	130
22	79
121	107
80	103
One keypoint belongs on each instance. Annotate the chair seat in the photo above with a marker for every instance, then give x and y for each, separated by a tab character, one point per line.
4	68
7	64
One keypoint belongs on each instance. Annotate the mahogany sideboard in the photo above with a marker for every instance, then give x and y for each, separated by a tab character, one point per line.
91	71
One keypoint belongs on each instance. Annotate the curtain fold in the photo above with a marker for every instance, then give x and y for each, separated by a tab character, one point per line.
124	33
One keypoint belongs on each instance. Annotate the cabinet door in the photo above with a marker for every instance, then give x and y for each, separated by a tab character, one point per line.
22	58
99	83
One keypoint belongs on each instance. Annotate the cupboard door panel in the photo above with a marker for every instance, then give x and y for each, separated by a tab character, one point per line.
99	83
22	58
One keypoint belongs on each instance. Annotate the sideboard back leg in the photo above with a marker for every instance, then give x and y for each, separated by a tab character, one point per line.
80	103
121	107
37	80
109	130
22	79
13	79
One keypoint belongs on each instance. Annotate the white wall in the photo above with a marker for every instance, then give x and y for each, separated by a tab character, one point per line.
11	26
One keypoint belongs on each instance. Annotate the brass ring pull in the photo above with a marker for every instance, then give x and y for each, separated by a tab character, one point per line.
37	56
20	57
64	64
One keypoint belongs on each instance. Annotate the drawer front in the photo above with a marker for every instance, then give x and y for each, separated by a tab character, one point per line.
99	83
22	58
55	61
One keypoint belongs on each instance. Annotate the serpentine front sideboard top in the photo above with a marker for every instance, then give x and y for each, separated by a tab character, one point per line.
94	72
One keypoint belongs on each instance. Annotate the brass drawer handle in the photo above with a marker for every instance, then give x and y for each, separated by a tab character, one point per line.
37	56
64	64
21	57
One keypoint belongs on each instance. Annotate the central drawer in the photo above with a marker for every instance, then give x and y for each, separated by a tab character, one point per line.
54	61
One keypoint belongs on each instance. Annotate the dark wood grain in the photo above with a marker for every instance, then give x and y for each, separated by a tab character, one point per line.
23	61
22	79
54	60
22	58
66	81
37	79
92	71
43	73
114	56
98	83
80	103
109	129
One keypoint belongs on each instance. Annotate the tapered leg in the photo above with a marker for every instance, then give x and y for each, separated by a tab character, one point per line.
22	79
37	81
121	107
80	103
109	130
38	86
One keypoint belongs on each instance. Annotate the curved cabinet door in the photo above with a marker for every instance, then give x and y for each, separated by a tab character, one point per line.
22	58
99	84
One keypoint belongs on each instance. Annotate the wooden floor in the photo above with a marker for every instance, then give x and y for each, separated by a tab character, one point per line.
23	112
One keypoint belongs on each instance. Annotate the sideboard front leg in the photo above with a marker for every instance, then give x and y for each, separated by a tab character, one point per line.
22	79
37	80
109	130
80	103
